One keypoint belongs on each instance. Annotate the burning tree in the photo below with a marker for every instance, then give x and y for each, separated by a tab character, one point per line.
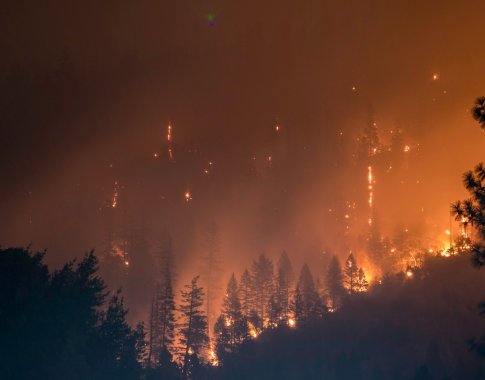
351	272
362	283
231	328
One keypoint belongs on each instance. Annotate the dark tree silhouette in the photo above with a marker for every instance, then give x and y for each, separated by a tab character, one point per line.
307	303
211	272
334	283
246	294
231	328
162	316
57	322
193	328
478	111
262	287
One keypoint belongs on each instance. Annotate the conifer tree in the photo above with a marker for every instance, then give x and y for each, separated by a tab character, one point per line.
284	284
245	293
211	272
162	318
231	328
231	310
351	272
262	287
307	304
193	329
334	283
362	283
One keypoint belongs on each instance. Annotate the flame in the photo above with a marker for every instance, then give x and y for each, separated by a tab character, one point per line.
213	358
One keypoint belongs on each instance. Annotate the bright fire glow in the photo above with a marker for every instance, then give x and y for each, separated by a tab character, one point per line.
213	358
291	322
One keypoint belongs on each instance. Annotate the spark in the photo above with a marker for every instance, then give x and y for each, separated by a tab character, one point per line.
354	88
277	128
127	263
170	142
436	76
409	273
291	322
155	155
407	148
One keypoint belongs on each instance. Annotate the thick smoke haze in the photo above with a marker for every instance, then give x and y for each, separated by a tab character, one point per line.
99	83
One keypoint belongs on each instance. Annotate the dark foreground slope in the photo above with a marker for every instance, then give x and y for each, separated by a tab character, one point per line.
417	328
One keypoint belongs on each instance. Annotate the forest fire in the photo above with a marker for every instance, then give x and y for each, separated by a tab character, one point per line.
242	190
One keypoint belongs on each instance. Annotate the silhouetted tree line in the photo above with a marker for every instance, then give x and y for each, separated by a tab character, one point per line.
63	325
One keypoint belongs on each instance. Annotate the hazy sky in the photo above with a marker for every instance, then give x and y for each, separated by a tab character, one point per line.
225	73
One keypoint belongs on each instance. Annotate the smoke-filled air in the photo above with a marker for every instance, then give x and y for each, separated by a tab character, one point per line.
242	190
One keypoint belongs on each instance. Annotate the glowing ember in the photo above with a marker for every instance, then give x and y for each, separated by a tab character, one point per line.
409	273
114	202
188	196
407	148
169	142
291	322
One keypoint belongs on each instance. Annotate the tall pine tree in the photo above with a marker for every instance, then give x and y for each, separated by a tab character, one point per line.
262	286
193	328
334	283
307	304
351	272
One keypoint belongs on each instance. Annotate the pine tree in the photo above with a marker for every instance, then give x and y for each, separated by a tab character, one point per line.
362	283
193	329
284	284
262	287
245	294
231	328
120	344
351	272
162	318
307	304
211	272
334	283
231	310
